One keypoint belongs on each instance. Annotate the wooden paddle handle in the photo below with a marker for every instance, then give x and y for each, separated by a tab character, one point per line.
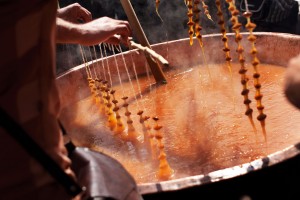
141	37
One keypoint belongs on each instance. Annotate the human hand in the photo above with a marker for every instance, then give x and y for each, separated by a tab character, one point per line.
74	13
100	30
104	29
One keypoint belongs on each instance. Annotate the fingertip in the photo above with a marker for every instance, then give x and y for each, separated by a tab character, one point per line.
90	17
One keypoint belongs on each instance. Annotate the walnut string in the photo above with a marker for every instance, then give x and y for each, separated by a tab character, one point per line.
206	12
105	93
99	85
197	31
197	26
255	62
164	171
97	63
98	82
128	75
92	62
103	82
143	119
153	141
131	133
88	72
148	140
90	79
190	18
120	126
111	48
157	2
114	118
95	87
111	121
244	79
102	59
94	83
226	48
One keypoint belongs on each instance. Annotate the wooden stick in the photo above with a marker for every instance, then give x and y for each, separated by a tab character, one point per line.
141	37
155	55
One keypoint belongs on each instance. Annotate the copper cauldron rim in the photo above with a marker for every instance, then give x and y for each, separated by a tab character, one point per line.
219	175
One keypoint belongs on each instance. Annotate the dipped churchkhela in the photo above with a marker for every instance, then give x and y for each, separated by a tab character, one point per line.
240	50
255	62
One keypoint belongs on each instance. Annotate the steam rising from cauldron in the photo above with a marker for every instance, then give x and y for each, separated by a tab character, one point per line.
65	58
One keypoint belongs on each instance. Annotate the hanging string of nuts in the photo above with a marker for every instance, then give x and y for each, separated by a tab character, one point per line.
250	26
190	22
240	50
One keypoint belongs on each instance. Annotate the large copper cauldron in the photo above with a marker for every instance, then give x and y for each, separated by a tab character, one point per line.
278	170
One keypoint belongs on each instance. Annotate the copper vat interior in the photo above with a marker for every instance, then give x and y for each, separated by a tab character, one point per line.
273	48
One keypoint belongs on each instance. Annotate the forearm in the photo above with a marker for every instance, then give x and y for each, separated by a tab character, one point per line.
67	32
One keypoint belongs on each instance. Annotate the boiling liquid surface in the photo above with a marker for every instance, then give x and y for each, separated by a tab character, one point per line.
204	126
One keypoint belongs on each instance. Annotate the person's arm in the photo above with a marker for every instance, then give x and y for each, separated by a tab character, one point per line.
104	29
